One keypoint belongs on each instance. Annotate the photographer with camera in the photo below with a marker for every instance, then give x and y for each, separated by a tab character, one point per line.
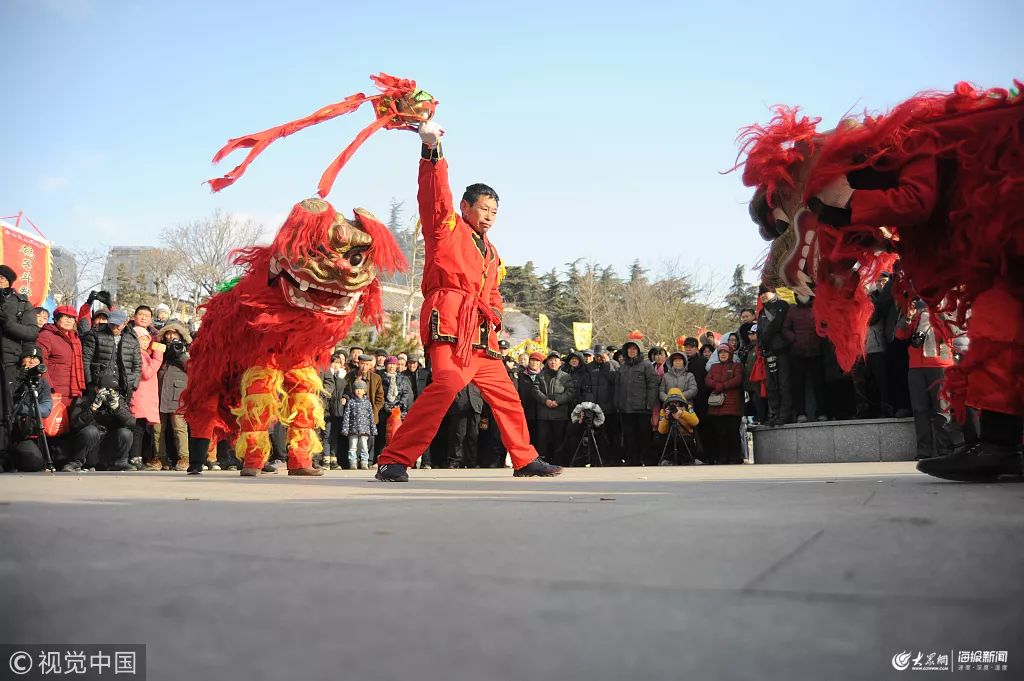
173	378
101	422
929	356
113	362
17	326
30	390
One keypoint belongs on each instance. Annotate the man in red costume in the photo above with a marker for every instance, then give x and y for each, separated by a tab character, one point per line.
459	320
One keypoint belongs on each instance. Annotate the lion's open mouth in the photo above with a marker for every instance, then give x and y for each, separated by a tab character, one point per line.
796	252
315	296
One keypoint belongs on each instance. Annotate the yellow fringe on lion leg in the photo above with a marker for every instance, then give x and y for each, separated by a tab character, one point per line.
303	413
262	389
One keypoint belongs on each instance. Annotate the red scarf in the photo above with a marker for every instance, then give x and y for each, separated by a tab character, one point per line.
77	366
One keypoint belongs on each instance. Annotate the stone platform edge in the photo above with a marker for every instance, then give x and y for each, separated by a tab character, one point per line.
888	439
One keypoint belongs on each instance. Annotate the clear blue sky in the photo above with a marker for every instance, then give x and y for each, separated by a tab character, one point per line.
603	126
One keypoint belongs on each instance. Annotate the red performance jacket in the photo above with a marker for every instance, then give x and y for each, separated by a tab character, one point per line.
461	273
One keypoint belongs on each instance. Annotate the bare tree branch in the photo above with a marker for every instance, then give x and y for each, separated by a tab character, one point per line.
201	248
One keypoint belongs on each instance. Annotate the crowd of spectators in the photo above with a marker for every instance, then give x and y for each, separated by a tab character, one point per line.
117	381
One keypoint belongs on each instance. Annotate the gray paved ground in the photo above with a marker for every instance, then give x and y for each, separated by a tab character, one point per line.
748	572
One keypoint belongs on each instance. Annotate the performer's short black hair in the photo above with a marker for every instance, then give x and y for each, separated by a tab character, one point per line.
475	191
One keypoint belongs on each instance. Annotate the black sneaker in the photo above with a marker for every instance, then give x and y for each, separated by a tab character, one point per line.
194	470
72	467
537	468
974	462
392	472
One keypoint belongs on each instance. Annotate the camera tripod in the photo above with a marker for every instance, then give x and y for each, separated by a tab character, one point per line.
30	398
587	449
673	439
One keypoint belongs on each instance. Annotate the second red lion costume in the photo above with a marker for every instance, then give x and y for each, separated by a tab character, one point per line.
937	182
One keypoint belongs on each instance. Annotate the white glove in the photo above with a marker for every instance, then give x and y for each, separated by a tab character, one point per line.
430	133
836	193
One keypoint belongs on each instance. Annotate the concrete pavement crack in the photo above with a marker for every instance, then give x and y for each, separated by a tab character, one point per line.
777	565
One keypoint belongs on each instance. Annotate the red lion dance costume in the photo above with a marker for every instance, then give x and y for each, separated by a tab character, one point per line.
253	359
937	183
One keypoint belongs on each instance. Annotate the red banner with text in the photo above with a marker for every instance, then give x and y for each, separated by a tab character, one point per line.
29	256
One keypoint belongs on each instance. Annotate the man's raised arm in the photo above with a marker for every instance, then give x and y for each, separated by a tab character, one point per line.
437	211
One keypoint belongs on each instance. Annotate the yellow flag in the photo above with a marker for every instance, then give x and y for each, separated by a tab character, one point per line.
582	334
786	294
543	323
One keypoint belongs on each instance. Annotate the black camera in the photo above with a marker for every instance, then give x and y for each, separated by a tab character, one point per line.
176	346
33	375
674	407
917	339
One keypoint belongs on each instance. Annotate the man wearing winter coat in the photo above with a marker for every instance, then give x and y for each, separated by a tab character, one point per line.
527	394
110	352
601	392
17	326
775	350
101	421
419	375
636	392
554	393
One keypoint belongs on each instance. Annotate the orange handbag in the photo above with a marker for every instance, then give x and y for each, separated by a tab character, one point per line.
57	423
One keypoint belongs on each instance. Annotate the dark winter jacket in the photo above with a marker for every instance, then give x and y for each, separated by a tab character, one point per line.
62	355
636	387
419	380
697	366
885	312
525	385
801	332
17	326
557	386
82	414
467	400
581	377
100	362
374	392
601	386
770	324
359	417
727	377
334	391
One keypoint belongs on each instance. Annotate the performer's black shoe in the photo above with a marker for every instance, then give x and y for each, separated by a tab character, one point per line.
392	472
537	468
975	462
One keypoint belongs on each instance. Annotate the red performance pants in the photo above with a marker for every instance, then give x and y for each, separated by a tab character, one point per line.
423	420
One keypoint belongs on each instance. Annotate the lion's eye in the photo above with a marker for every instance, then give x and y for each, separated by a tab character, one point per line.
357	256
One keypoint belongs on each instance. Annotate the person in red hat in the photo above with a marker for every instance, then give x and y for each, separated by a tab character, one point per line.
460	319
62	354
